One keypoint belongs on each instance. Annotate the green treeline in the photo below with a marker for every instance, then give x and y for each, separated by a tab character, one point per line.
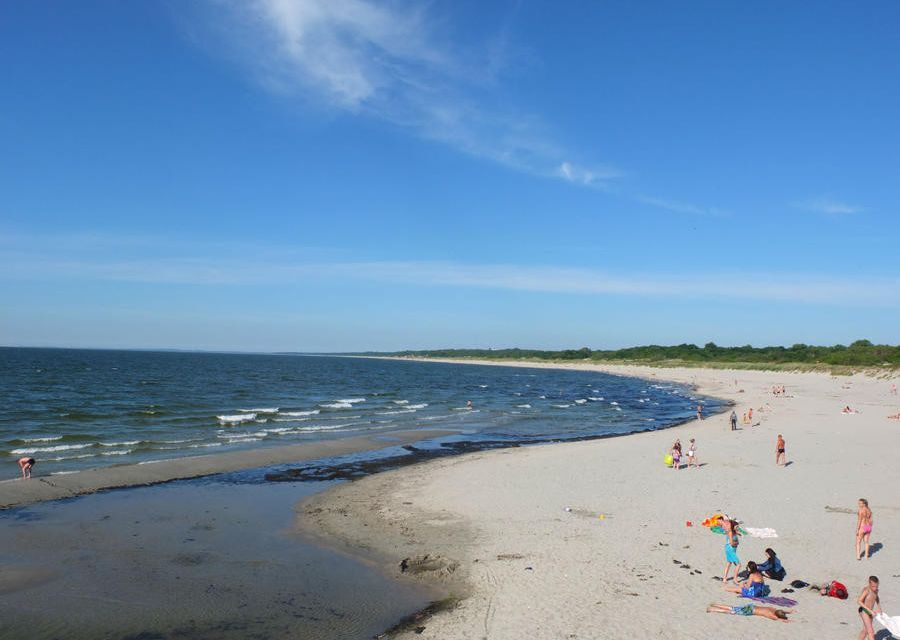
861	353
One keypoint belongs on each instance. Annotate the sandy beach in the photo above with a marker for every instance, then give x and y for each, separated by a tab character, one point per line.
590	539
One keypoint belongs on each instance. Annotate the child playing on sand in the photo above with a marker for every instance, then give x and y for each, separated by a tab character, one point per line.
676	455
779	451
751	610
692	455
869	605
25	464
863	526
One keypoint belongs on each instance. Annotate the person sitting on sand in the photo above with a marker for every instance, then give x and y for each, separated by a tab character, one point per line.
25	464
731	557
869	605
772	567
692	455
751	610
896	416
863	527
779	451
754	586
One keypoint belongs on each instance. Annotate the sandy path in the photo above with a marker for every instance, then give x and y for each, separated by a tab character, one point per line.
530	569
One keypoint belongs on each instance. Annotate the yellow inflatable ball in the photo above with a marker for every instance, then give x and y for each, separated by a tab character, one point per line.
669	460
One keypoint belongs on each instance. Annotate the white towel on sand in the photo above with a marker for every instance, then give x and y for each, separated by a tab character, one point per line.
761	533
889	623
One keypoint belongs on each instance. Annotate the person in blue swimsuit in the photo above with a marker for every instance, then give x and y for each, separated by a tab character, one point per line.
731	545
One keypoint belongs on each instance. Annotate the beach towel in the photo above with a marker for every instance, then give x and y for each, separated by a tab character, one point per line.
892	624
778	601
721	531
761	533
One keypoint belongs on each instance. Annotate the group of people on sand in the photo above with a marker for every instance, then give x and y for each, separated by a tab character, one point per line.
691	454
754	585
778	390
869	606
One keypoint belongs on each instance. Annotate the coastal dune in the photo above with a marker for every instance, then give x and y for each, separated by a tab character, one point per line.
590	539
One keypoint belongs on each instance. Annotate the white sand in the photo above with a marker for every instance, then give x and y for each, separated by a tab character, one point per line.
527	568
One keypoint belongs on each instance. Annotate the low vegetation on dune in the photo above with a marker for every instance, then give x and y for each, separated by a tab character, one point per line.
859	354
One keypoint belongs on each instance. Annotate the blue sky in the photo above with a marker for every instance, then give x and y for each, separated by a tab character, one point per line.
345	175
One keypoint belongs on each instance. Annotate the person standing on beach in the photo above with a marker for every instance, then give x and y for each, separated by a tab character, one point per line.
676	454
869	605
733	421
692	455
731	557
25	464
863	527
699	411
779	451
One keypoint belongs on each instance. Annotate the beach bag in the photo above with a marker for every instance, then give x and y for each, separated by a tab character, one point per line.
837	590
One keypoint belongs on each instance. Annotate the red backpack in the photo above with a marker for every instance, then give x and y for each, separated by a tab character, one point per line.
837	590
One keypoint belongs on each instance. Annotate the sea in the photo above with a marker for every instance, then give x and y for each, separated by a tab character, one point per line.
75	409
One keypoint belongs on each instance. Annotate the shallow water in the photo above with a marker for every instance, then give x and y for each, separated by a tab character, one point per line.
211	558
76	409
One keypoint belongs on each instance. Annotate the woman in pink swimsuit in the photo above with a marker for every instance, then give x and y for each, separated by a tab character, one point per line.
863	527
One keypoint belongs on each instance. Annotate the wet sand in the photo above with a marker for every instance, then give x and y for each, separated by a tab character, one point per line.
205	559
18	491
590	539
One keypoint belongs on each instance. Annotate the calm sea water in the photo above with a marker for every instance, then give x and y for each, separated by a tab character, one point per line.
75	409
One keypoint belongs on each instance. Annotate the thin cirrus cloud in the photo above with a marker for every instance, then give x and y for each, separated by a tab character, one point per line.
681	207
389	61
20	266
829	206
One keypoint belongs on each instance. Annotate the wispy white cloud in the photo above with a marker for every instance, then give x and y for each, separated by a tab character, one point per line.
829	206
392	61
682	207
22	266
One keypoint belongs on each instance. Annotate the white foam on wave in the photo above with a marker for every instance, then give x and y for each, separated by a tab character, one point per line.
523	406
178	441
299	414
116	452
401	401
237	418
581	401
560	406
47	439
596	398
483	386
614	403
120	444
242	440
62	473
59	447
417	406
61	458
394	413
206	444
324	427
352	400
337	405
262	410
